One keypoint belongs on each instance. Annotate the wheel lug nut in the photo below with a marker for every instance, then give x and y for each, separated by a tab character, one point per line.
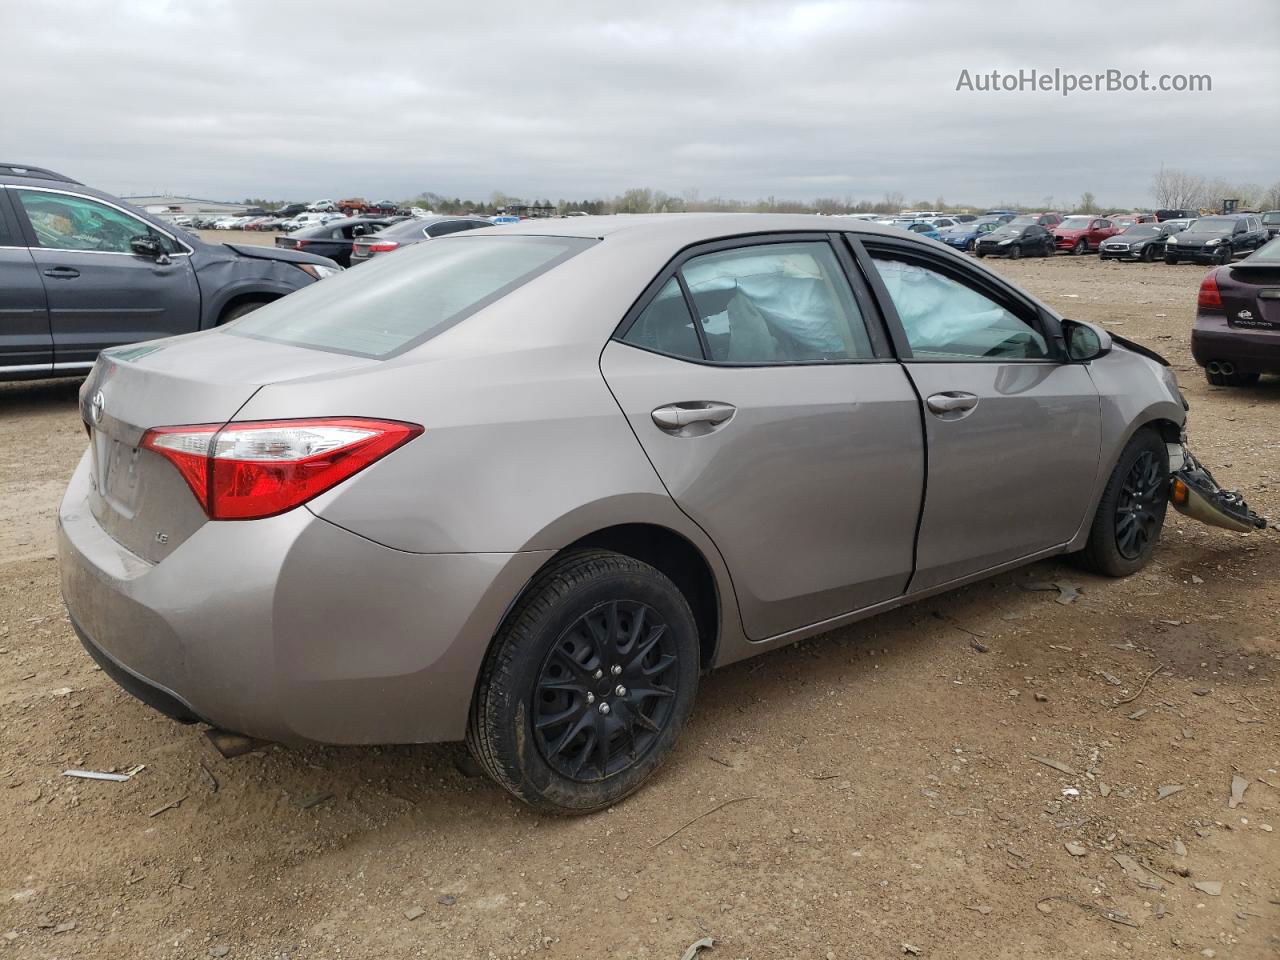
615	669
591	698
598	674
604	708
620	690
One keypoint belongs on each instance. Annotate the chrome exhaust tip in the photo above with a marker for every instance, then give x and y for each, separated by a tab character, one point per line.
1213	367
1227	368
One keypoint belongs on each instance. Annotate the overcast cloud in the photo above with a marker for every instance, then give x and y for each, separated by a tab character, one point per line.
297	100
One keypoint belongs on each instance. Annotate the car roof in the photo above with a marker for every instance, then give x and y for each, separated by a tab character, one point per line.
683	229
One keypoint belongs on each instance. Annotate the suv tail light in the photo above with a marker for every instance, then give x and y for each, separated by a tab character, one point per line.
259	468
383	246
1210	298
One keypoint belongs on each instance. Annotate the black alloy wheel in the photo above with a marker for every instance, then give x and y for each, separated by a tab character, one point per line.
1140	506
606	691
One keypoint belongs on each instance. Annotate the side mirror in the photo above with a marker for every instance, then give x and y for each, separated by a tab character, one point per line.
1084	341
150	247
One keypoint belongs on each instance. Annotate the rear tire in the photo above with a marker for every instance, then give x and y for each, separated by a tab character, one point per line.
547	721
1130	516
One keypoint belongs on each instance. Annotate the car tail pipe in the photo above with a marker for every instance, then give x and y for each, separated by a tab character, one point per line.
1226	367
1194	492
1214	367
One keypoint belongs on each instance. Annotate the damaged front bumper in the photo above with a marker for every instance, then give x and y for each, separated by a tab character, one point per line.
1194	492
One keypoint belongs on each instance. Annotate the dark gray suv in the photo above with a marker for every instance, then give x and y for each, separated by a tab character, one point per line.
81	271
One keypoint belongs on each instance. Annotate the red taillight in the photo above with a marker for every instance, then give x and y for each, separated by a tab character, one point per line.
1210	298
382	246
299	244
259	468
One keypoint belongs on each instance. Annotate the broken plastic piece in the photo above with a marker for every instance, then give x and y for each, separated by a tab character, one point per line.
1195	493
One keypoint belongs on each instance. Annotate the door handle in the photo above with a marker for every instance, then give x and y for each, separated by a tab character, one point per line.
62	273
951	402
673	416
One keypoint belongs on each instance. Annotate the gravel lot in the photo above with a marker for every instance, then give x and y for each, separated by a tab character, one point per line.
886	796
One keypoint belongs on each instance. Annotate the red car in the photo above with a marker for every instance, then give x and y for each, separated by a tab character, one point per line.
1083	233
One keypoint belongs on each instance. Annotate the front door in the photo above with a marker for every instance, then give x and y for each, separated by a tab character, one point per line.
100	293
779	426
1013	431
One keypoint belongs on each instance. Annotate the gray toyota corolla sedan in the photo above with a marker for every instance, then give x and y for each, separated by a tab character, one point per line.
521	486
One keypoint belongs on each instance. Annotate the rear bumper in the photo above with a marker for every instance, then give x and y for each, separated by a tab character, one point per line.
289	629
1252	351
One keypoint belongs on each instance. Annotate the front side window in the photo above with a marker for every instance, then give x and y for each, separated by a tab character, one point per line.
945	319
64	222
776	303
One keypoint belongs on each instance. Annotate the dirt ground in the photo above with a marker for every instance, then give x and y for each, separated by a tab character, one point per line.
883	796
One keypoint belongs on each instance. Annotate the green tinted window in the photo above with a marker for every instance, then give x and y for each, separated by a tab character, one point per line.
400	300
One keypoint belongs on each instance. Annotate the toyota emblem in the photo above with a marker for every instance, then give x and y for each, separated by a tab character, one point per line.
96	406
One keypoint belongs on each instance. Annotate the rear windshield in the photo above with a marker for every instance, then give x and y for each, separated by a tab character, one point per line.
396	302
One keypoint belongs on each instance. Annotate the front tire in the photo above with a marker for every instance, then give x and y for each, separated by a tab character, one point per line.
1170	259
1148	254
1081	247
1131	512
240	309
587	685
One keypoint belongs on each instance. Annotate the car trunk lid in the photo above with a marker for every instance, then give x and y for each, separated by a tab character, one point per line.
1251	295
139	499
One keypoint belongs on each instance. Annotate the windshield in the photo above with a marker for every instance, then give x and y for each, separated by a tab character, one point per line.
1075	223
1211	225
1025	219
1271	219
1142	230
395	303
1009	230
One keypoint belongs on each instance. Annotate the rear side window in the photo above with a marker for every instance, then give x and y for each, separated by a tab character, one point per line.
395	303
776	303
666	325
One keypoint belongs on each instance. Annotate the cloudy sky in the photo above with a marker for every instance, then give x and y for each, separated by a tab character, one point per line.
585	98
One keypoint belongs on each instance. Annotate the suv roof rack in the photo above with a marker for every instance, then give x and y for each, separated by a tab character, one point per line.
37	173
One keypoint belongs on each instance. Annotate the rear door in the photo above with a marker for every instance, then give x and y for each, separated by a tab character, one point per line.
766	398
99	292
26	345
1013	432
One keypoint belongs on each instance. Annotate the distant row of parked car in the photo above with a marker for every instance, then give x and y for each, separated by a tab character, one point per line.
1171	235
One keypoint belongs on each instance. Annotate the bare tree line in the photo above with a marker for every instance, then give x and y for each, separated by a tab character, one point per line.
1172	189
1182	189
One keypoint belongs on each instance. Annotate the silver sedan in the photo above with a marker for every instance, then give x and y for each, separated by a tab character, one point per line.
522	486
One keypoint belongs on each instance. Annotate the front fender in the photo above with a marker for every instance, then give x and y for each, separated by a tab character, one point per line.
227	279
1132	395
